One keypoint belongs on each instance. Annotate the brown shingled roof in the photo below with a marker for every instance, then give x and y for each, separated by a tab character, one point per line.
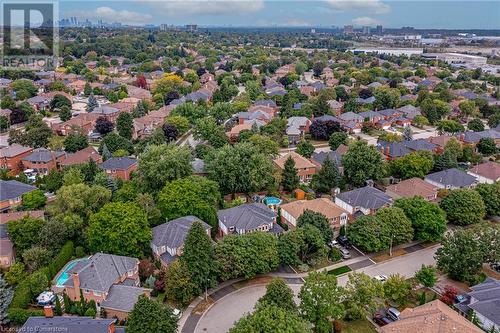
411	187
300	161
433	317
321	205
490	170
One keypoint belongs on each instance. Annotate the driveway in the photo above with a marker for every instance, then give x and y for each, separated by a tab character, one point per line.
224	312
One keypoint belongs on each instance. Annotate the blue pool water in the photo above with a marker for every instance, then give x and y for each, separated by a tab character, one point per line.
64	276
272	201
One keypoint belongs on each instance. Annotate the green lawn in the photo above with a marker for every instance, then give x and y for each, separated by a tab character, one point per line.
358	326
339	270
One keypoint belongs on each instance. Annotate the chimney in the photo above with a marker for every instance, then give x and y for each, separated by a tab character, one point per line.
76	281
111	328
48	312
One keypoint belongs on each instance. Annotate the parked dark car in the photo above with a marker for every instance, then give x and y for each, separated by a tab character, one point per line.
381	320
344	242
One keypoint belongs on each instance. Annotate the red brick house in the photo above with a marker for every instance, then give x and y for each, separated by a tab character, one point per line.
81	157
11	158
305	168
119	167
42	160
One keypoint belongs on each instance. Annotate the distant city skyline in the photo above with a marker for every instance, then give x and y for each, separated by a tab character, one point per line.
268	13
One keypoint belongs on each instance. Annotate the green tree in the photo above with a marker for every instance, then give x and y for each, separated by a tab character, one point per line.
450	126
321	300
475	125
246	255
490	193
386	98
290	246
305	148
113	142
319	221
180	123
65	113
327	178
395	225
362	162
119	228
81	199
445	161
24	232
264	145
198	256
207	129
364	233
279	294
92	103
487	146
151	316
36	257
337	139
397	289
467	108
427	276
463	207
16	273
124	125
427	219
59	101
269	318
179	287
417	164
240	168
363	296
434	110
34	199
160	164
75	142
193	195
289	177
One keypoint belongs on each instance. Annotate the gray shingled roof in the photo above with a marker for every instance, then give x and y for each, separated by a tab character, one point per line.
43	155
118	163
122	297
332	155
100	271
11	189
393	149
366	197
173	233
453	177
247	216
485	299
68	325
420	145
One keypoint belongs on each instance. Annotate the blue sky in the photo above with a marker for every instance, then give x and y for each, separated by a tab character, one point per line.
473	14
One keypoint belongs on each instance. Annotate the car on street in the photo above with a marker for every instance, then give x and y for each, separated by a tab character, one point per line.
345	253
333	243
460	298
393	313
342	240
381	320
381	278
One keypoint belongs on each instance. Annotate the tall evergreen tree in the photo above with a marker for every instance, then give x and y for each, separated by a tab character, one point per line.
92	103
407	133
327	178
290	179
445	161
198	256
124	125
106	154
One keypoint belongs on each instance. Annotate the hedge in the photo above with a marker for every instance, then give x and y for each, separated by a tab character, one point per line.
64	255
23	294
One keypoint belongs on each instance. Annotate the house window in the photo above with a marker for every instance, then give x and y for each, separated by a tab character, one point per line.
86	291
98	294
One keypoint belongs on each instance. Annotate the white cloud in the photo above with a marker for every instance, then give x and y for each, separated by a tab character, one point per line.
372	6
206	7
365	20
111	15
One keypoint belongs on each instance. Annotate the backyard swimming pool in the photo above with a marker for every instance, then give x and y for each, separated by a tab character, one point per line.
64	275
272	201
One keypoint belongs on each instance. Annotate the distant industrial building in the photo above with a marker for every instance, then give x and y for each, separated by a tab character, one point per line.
191	27
457	58
379	30
366	30
390	51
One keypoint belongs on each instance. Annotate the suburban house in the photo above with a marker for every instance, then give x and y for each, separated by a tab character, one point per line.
73	324
111	281
297	129
336	215
305	168
81	157
486	173
11	158
11	192
434	316
484	300
119	167
108	112
412	187
84	122
168	238
451	179
247	218
42	160
366	200
334	156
